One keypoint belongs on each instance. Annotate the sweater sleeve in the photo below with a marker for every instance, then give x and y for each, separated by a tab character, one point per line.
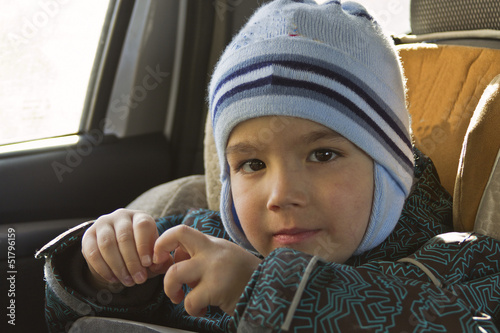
296	292
68	295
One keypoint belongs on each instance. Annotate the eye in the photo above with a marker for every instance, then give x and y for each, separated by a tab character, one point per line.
322	155
252	166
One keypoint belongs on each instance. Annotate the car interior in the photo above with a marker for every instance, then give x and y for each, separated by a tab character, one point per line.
145	143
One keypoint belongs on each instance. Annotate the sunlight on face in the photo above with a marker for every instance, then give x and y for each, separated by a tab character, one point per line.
298	184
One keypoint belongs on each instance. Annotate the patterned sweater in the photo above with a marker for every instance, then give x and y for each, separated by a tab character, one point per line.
422	278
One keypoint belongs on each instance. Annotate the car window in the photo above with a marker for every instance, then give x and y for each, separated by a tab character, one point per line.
47	51
392	15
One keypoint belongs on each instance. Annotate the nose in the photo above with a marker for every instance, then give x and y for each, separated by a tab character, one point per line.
287	189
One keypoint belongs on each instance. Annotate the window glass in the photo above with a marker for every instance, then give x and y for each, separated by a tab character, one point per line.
47	50
392	15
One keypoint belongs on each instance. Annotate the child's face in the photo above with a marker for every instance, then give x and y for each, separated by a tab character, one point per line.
300	185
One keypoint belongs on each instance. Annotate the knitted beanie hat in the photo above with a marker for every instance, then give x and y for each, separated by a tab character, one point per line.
328	63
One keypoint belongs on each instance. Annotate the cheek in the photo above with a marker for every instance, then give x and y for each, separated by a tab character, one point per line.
242	197
349	202
362	196
245	202
248	202
361	191
361	212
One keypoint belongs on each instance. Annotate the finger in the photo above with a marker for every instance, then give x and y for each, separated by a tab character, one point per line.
157	269
94	259
145	233
186	272
108	247
187	238
197	302
180	255
125	239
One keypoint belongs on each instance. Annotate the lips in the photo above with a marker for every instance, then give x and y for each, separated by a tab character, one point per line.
294	236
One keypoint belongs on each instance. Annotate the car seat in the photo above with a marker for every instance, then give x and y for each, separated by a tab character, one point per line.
451	61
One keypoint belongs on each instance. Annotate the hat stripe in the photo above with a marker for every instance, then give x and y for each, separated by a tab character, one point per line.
328	96
333	73
333	98
353	108
365	92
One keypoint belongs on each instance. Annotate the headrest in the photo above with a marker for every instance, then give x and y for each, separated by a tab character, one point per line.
431	16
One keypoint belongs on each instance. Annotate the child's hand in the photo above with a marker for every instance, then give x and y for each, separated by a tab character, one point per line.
119	248
215	268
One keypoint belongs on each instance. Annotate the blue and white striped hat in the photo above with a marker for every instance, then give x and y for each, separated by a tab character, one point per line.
328	63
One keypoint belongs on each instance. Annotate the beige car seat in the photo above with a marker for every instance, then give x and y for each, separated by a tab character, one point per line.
454	101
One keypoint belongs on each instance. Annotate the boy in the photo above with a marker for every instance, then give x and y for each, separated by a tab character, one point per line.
322	192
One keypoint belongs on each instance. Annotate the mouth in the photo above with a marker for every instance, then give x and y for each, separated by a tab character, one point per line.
293	236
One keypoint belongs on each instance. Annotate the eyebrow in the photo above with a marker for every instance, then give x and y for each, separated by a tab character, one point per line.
240	148
325	134
246	147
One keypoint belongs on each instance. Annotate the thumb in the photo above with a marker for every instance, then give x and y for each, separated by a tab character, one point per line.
182	238
180	255
145	234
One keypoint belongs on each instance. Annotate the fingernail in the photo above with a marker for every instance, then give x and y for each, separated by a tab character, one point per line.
146	261
155	258
139	277
128	281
